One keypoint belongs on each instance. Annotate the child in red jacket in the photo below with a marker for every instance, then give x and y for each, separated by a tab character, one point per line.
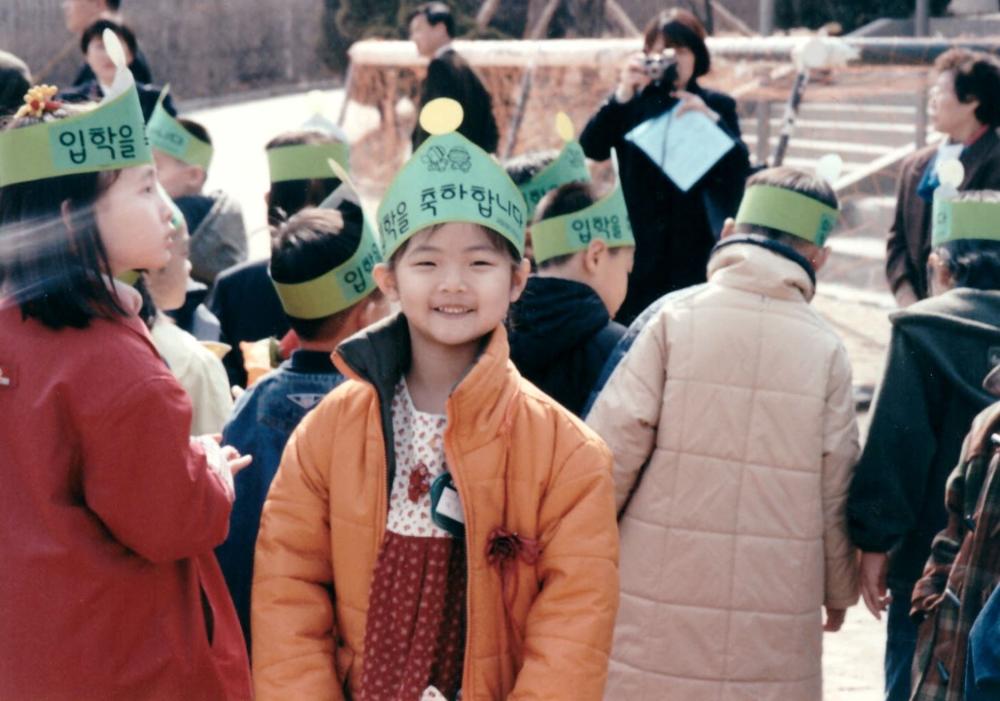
109	512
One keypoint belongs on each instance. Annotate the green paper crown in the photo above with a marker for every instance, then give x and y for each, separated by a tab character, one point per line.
787	211
569	167
306	161
167	134
964	219
449	179
607	220
337	289
109	137
348	283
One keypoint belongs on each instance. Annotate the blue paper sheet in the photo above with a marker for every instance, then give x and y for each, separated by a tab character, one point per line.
684	147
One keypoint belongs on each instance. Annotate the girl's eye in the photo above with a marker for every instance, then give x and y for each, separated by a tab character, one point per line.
423	264
482	263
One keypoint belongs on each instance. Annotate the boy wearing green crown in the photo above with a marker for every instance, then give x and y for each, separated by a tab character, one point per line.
941	348
438	528
561	330
732	426
183	152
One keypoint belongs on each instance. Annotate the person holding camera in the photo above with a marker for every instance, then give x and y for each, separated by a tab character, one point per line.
675	230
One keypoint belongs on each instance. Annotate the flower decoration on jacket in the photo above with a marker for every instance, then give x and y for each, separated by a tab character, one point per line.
503	547
38	102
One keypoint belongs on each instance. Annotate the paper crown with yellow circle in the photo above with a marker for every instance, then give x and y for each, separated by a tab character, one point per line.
346	284
959	217
167	134
109	137
787	211
449	179
605	220
569	167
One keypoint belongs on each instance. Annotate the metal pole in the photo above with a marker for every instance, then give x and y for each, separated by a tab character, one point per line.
921	28
766	24
763	131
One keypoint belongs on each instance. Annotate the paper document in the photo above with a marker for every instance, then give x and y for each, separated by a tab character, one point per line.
684	147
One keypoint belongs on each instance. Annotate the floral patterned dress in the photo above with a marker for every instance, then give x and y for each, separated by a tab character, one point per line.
415	634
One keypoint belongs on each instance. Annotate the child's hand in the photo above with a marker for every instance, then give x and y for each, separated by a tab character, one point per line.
834	619
873	587
234	460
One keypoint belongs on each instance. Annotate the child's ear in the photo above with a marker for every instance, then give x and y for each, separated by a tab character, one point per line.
519	279
592	256
820	258
195	177
728	228
386	281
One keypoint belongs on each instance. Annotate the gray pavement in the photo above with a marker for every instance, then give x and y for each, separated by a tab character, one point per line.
852	659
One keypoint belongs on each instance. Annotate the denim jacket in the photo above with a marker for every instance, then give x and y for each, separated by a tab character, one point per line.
262	422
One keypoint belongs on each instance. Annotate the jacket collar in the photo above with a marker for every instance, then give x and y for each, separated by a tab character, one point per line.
975	156
752	268
478	407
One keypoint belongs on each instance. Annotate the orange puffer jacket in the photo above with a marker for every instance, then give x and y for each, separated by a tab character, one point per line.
520	462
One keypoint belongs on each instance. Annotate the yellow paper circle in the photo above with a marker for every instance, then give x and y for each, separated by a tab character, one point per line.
564	127
441	116
951	172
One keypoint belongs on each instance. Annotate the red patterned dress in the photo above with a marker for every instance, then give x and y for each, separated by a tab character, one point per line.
415	634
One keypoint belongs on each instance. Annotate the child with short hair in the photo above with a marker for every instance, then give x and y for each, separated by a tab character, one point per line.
561	329
183	152
243	297
931	390
110	510
732	424
198	369
310	254
438	526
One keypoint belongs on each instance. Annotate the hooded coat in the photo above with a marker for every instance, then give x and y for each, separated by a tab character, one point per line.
560	336
537	627
732	425
940	350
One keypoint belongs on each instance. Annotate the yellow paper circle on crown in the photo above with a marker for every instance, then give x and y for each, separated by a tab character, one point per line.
564	127
951	173
441	116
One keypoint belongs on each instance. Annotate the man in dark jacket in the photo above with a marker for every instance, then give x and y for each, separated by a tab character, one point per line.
965	106
561	331
432	28
941	348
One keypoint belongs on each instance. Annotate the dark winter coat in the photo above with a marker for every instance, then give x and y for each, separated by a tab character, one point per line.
674	230
941	349
248	309
560	337
450	75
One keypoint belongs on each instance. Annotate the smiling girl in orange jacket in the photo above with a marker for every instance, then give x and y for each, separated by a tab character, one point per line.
439	528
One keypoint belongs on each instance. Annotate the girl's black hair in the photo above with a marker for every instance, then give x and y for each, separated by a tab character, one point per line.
52	264
973	263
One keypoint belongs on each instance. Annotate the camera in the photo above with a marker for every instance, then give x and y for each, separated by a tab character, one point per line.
661	67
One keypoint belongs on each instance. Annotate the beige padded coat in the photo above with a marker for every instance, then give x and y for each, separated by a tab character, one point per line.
736	398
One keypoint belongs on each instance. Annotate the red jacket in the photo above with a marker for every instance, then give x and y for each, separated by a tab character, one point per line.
108	516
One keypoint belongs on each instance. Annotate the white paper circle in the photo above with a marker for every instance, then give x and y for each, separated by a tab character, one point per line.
951	172
829	168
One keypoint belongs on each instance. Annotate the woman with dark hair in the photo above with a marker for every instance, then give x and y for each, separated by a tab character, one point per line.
674	229
965	107
103	69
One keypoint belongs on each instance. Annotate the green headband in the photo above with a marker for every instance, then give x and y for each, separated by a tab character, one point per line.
607	220
337	289
306	161
569	167
167	134
787	211
964	219
109	137
449	179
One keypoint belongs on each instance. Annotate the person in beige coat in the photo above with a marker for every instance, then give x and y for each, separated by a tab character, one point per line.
732	425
